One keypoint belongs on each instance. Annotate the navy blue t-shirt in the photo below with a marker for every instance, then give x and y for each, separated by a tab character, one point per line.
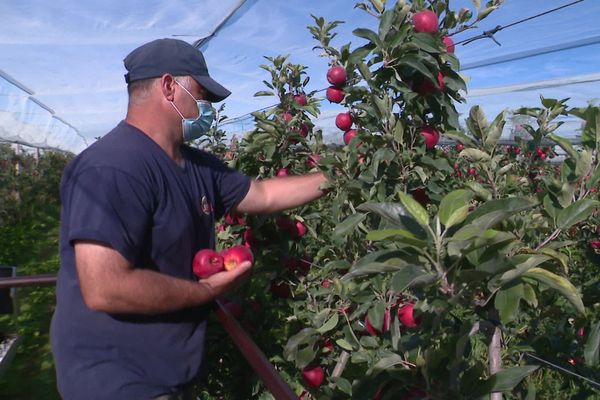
126	192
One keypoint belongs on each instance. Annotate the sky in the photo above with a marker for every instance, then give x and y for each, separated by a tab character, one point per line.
68	55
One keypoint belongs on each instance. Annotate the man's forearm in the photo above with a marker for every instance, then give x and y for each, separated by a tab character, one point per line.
283	193
140	291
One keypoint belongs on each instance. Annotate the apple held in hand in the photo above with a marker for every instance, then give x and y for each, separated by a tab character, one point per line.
206	263
236	255
313	376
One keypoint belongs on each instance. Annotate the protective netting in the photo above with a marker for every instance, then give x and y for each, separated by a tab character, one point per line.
71	56
24	120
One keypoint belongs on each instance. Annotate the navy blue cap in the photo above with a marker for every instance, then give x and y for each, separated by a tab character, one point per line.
175	57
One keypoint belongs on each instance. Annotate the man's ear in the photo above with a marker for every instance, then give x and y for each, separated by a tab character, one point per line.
167	86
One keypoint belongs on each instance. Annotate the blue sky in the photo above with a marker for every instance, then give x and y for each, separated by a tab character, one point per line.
69	53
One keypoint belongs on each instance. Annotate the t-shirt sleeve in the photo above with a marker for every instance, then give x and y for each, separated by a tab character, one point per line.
231	186
109	206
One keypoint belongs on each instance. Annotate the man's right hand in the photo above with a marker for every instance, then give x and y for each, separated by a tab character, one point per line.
226	281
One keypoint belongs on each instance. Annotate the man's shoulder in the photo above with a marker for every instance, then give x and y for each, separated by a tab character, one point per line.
124	149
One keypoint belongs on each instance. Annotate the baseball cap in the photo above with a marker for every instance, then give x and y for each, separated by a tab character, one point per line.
175	57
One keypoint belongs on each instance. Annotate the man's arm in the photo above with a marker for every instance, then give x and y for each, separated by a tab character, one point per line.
111	284
279	194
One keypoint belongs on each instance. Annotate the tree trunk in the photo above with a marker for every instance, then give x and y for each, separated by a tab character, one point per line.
494	349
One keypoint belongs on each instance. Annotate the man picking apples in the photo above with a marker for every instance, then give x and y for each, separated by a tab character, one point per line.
137	205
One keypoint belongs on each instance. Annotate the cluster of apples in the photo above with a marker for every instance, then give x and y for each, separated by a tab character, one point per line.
208	262
426	21
406	317
337	77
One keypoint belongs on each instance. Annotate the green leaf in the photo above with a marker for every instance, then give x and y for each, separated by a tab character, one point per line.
410	276
330	324
414	209
507	302
405	237
565	144
461	138
386	21
510	205
494	132
575	213
558	283
394	213
343	384
414	63
475	155
523	263
591	350
375	314
477	122
508	378
344	344
348	225
454	207
306	336
386	363
263	93
369	35
427	42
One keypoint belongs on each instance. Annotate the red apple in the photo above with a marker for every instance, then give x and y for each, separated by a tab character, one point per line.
371	329
300	99
327	345
595	244
407	317
313	160
282	172
300	229
425	21
249	238
427	87
349	135
460	147
344	121
472	171
235	256
335	95
206	263
420	195
287	117
581	332
313	376
337	76
430	135
285	224
325	284
281	290
449	44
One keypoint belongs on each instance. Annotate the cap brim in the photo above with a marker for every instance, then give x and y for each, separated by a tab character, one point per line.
216	92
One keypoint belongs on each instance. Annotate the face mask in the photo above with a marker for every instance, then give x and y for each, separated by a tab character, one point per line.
195	128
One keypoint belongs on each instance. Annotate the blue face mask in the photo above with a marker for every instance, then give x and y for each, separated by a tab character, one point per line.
195	128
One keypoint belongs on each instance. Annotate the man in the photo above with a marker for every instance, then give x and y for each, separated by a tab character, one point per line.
130	318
